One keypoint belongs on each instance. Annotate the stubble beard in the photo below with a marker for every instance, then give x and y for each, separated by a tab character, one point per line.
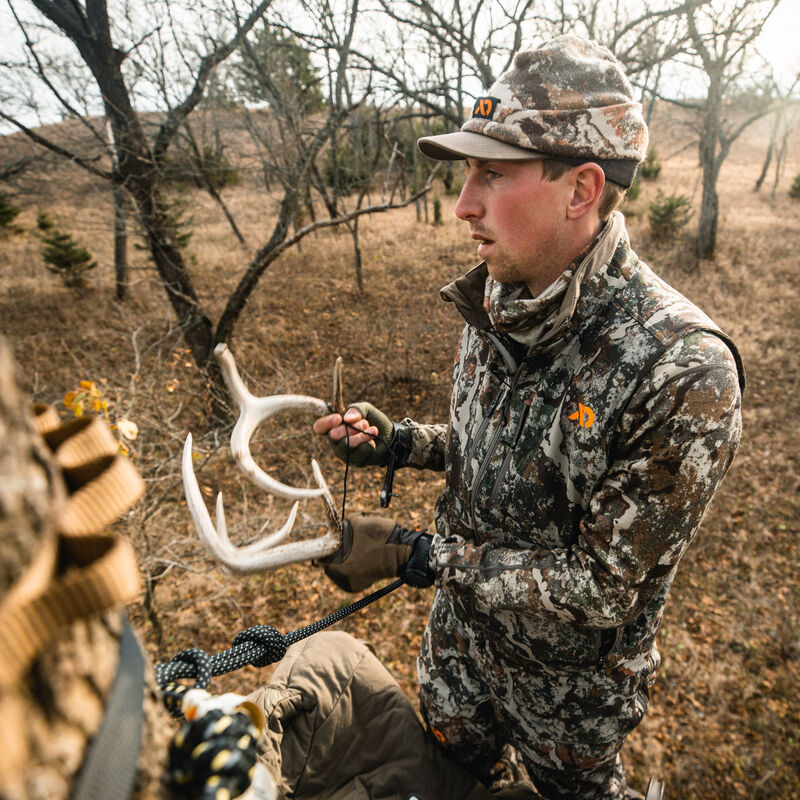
536	272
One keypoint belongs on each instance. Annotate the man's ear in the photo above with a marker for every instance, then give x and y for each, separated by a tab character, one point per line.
588	181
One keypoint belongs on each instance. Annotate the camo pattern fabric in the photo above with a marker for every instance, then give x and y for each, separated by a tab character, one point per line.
536	104
577	474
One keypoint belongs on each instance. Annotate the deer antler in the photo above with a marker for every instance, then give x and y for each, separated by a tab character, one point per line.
267	553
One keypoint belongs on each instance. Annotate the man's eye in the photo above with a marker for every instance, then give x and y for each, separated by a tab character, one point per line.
492	175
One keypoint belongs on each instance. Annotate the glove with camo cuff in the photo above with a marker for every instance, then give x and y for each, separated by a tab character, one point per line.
374	548
392	440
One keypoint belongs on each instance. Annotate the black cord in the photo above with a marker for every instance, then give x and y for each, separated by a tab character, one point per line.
346	468
258	646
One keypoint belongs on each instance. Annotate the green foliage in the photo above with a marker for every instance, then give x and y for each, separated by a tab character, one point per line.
651	167
181	224
794	189
44	222
275	68
67	259
8	213
669	214
437	212
177	225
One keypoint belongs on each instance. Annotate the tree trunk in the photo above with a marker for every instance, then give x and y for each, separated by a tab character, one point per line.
357	255
120	224
770	150
171	267
709	214
712	154
121	276
780	160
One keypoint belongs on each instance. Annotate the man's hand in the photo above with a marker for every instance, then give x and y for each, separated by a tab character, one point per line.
368	433
376	547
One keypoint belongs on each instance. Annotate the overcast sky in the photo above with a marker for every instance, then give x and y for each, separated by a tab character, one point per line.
778	44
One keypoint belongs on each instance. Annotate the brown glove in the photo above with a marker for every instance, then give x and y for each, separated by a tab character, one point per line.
376	547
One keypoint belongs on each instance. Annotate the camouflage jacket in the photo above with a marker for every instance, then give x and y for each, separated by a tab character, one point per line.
578	469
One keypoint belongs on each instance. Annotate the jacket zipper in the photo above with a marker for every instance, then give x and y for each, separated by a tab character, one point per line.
485	424
512	446
492	445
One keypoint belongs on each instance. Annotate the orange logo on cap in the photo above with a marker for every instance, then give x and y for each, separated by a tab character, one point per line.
485	107
584	416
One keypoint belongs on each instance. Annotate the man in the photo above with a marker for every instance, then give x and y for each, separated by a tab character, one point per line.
594	412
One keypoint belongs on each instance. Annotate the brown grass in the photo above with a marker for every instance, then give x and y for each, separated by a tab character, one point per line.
724	718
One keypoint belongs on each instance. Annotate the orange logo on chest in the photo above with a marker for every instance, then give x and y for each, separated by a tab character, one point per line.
584	416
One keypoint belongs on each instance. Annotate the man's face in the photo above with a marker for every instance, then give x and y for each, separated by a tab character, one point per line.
518	219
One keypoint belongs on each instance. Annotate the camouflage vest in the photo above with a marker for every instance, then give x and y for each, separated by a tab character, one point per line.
533	433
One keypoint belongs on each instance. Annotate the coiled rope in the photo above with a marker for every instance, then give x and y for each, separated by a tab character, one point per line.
258	646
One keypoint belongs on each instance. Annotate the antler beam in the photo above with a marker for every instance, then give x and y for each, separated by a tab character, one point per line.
271	551
252	412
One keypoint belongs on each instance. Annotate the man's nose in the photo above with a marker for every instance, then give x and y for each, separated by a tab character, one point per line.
469	205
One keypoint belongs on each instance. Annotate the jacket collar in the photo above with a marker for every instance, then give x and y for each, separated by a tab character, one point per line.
468	292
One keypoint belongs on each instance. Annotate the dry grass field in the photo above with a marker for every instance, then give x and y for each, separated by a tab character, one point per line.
725	715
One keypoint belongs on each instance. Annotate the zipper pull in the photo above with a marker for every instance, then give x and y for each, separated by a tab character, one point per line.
512	440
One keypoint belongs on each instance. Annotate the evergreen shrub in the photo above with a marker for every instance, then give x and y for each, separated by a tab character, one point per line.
8	213
668	214
651	167
64	257
437	211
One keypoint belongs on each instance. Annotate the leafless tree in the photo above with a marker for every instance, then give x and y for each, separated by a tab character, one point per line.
130	64
721	50
783	122
140	160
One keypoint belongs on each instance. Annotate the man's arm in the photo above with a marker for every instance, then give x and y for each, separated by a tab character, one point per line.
677	439
427	445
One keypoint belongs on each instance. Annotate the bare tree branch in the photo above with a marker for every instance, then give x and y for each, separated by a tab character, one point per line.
207	64
44	142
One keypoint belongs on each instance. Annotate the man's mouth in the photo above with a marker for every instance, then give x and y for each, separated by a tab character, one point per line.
484	243
482	240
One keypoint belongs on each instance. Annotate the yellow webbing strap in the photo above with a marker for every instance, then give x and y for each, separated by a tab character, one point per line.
85	570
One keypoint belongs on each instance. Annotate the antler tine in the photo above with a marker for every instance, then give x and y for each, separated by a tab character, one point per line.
253	411
338	401
264	554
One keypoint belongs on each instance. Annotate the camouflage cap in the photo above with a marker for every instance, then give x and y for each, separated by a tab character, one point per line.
569	99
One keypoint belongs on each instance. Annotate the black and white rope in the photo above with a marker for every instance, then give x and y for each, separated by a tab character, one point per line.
257	646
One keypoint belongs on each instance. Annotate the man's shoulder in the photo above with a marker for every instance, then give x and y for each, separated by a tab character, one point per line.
660	308
686	334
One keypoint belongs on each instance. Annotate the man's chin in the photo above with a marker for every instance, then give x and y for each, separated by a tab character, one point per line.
501	274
